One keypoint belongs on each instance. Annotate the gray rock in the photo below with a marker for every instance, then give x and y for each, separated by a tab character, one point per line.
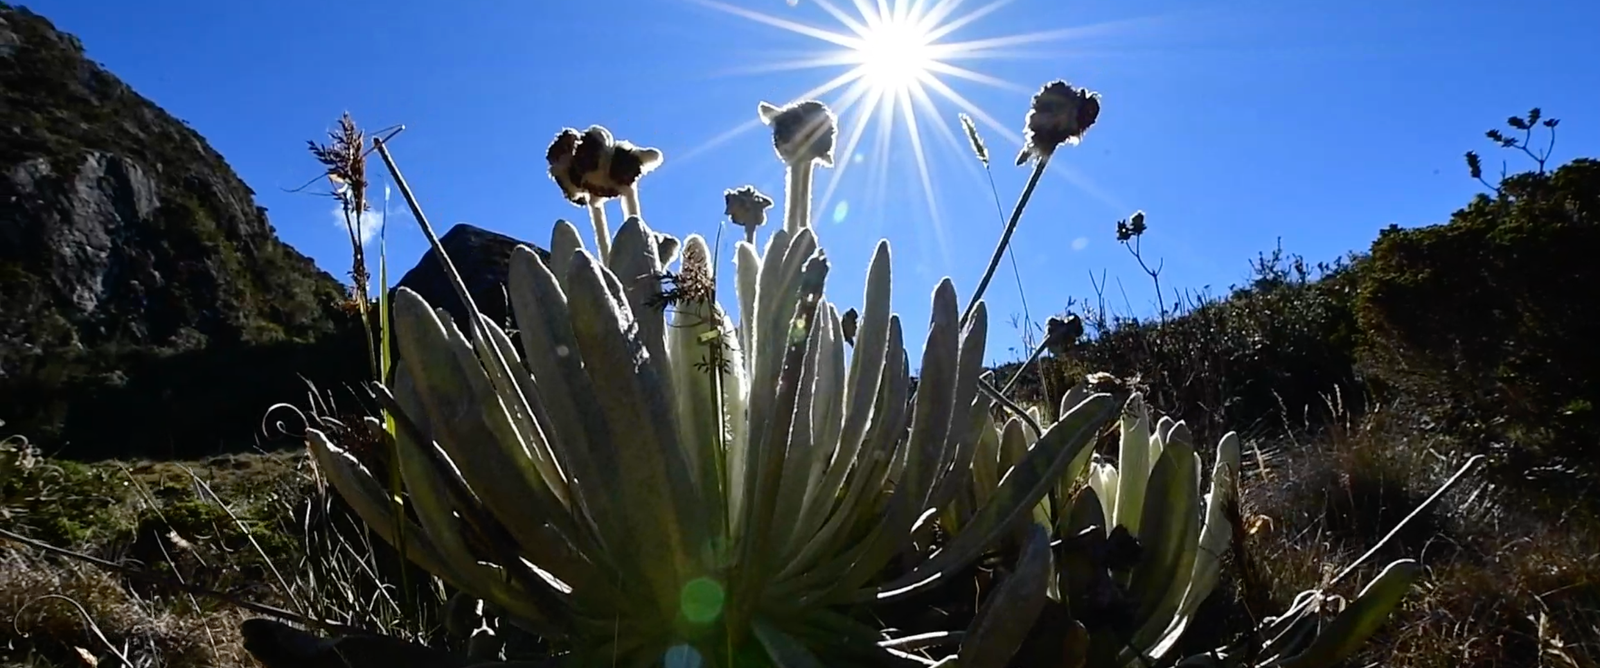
8	40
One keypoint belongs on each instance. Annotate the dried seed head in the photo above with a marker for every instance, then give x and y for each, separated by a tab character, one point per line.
801	132
747	207
1132	227
848	323
1474	165
694	281
978	147
1061	333
345	160
592	166
1060	114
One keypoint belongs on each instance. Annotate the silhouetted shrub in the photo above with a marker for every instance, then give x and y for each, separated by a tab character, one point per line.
1486	319
1281	344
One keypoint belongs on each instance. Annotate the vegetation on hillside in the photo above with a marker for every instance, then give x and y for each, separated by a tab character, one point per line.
1470	324
139	275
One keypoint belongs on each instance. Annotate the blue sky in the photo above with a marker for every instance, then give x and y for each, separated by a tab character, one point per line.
1232	124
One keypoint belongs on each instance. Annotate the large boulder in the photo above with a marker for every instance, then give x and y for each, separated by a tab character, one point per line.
483	258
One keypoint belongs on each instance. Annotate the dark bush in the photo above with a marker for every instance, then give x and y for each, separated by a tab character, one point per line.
1485	319
1284	343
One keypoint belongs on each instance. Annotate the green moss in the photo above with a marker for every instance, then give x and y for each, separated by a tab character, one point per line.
64	503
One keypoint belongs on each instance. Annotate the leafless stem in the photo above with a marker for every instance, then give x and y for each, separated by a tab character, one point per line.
602	231
1005	237
798	206
630	203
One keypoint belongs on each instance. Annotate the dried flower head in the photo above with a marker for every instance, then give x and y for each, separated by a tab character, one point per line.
1061	333
1132	227
849	323
1060	114
345	162
978	147
592	166
747	207
344	159
801	132
559	155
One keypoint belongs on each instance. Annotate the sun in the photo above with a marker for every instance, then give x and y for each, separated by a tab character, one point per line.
895	55
899	60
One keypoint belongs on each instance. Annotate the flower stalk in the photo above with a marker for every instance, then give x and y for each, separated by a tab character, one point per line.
1005	236
602	231
1060	114
803	135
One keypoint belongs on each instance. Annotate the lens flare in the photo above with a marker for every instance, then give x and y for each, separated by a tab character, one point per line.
702	600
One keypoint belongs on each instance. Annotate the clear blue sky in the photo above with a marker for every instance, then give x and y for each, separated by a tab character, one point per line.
1231	123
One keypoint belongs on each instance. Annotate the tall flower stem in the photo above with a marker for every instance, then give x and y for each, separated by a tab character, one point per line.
1005	238
602	232
630	203
798	213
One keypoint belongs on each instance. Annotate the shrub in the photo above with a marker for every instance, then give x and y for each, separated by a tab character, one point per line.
1484	317
1276	345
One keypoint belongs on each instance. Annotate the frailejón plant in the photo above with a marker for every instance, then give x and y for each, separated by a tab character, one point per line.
656	486
650	485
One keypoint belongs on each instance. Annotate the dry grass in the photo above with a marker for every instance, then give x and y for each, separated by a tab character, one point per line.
1509	582
258	527
54	613
1506	584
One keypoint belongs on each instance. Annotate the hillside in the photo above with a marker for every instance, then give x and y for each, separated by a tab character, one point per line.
139	281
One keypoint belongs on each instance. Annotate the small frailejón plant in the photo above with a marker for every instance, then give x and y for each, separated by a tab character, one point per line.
646	483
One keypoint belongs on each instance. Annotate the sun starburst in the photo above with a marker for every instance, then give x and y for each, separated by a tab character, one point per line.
899	60
894	54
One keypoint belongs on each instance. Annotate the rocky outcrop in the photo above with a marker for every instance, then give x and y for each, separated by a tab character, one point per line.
147	306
